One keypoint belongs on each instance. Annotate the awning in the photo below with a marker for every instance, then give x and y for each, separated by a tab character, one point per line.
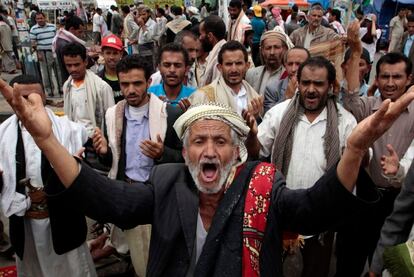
285	4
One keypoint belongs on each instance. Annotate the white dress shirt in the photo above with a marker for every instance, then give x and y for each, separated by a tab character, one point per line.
308	162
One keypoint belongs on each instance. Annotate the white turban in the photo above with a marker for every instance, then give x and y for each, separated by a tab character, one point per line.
214	111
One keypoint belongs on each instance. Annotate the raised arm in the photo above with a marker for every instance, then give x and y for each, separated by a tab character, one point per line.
33	115
365	134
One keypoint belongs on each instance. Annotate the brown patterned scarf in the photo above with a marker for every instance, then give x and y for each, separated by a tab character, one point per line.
283	144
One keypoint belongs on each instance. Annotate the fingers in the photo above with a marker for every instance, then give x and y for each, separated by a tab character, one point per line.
159	139
79	153
250	121
391	150
184	104
6	90
152	149
400	105
378	116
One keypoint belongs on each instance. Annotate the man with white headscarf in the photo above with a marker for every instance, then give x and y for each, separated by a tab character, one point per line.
216	215
273	45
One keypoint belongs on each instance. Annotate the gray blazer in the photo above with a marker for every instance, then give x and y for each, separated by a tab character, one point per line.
397	226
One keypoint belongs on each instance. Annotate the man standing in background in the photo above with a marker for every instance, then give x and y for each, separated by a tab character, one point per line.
42	35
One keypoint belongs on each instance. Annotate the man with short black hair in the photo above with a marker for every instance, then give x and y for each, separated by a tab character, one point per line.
212	37
139	135
72	32
130	30
310	127
146	33
99	27
46	243
42	35
86	96
189	41
237	21
230	88
173	63
356	241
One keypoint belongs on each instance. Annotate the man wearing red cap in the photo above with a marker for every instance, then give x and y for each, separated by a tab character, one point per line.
112	51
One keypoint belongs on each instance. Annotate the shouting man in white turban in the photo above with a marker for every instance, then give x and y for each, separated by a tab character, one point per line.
216	215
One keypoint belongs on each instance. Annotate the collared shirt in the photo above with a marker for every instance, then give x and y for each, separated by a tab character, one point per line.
158	90
240	99
308	39
400	134
138	166
147	35
308	162
43	36
80	108
408	45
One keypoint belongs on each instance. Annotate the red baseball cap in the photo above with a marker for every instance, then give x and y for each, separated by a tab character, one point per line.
112	41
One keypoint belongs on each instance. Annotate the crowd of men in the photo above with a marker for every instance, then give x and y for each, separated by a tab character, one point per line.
169	87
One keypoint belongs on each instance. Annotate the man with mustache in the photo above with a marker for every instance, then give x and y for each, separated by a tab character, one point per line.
190	42
86	96
230	89
286	86
45	240
357	241
173	64
139	135
233	232
237	21
304	137
273	45
212	37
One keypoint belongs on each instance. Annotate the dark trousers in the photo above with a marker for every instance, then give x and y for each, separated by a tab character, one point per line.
356	241
316	255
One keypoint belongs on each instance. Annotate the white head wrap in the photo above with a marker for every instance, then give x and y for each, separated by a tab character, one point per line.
214	111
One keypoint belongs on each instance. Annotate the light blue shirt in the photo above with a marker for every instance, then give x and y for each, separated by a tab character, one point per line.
138	166
158	90
408	45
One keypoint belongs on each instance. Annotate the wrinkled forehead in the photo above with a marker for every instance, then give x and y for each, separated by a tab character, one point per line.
209	127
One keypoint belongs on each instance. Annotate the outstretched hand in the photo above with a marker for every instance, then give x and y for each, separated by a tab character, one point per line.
374	126
29	110
365	134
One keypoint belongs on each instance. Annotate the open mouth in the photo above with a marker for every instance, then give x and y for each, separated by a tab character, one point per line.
209	172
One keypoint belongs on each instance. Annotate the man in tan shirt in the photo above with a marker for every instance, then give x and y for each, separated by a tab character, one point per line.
357	241
397	25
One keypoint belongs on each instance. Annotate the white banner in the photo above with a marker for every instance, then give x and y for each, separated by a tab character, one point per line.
54	4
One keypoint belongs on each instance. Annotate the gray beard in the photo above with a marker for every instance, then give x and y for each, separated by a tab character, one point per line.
224	172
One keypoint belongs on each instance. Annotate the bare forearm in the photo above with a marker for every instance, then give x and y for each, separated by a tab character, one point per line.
348	167
253	147
352	75
64	164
